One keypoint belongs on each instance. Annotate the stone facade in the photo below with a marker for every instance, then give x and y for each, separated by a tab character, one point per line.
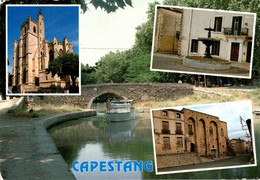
178	29
32	54
240	146
201	133
138	92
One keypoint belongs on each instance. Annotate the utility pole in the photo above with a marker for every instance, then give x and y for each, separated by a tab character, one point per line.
205	81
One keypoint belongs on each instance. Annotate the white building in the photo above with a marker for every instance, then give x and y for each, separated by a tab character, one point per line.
178	30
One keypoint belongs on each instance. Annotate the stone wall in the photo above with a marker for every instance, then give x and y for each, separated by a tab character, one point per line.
137	92
177	160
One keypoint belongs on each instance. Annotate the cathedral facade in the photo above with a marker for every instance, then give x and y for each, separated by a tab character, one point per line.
32	54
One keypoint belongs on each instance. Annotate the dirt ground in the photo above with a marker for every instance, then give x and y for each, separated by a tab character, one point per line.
27	153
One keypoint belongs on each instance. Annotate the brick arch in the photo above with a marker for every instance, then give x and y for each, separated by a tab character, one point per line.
214	138
202	137
193	138
90	102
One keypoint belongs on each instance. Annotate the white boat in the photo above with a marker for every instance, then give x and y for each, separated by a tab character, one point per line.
120	111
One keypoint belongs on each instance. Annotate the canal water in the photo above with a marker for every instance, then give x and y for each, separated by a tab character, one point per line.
94	139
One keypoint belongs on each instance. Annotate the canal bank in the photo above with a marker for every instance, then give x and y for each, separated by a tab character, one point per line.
27	150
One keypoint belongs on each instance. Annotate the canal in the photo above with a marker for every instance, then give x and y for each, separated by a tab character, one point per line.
94	139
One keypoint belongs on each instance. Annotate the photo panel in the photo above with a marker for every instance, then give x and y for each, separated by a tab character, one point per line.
42	50
203	137
203	41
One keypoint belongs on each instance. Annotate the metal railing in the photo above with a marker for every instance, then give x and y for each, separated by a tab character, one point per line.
166	131
178	131
241	32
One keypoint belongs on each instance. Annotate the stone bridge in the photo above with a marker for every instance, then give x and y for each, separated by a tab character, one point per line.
137	92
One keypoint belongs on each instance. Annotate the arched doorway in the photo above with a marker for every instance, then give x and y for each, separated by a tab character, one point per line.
202	138
192	134
214	141
192	147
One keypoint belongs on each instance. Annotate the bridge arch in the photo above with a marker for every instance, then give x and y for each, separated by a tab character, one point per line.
112	94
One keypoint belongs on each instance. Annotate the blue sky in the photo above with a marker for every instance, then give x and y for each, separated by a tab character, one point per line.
229	112
60	21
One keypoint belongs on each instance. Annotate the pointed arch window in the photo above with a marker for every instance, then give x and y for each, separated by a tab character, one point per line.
41	62
51	56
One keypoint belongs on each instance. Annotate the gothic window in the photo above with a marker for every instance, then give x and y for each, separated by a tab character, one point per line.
194	45
165	113
24	75
41	61
34	29
222	132
166	143
218	24
190	129
24	30
51	55
210	130
60	52
24	48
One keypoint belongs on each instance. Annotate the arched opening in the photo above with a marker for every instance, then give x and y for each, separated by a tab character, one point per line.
213	139
41	62
192	147
202	137
24	75
60	52
99	102
51	56
192	134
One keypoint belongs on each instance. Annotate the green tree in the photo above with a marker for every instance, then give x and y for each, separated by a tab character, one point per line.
139	70
65	65
88	74
144	34
113	67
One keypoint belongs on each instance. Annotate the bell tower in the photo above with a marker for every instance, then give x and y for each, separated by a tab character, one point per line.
41	38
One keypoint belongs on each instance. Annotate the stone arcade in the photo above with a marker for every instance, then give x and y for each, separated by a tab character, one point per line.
32	54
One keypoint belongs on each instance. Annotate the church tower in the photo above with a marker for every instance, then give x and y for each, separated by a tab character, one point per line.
41	38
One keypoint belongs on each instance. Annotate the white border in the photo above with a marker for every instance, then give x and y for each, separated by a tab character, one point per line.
6	43
203	169
201	73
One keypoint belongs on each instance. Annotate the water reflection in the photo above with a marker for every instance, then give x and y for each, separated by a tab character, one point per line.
89	139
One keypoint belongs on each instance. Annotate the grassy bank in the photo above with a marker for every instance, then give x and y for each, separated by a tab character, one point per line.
224	95
43	110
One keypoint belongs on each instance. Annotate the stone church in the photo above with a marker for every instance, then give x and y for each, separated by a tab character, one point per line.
32	54
187	131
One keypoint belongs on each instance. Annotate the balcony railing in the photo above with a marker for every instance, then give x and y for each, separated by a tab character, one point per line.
178	131
230	31
166	131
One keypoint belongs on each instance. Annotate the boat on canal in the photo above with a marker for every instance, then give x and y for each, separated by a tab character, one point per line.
120	110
